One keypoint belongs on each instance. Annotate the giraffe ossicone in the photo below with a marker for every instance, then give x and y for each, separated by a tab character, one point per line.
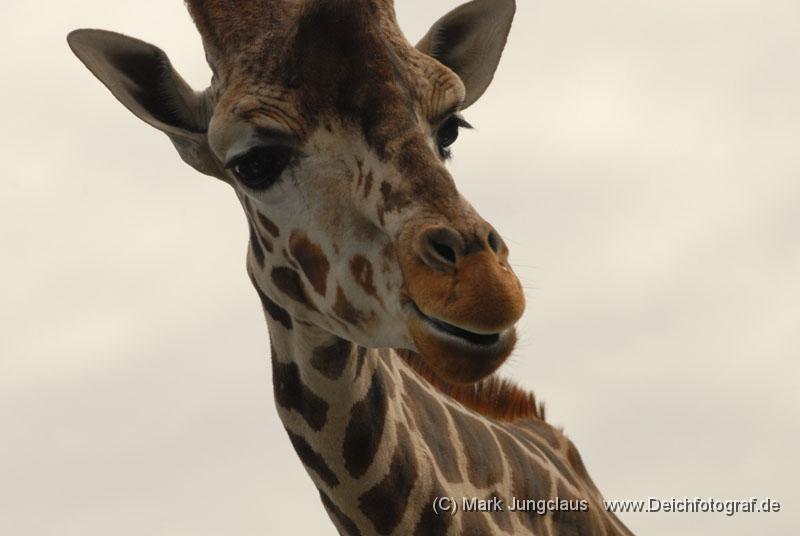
389	301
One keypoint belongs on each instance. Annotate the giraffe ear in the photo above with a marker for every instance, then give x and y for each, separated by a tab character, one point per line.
470	40
141	77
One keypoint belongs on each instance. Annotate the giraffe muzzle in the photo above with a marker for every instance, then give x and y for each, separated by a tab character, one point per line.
463	302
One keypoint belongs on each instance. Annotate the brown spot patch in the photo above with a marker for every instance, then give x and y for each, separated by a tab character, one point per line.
268	225
331	361
528	479
346	311
255	246
388	258
361	269
311	259
341	520
392	199
501	518
365	429
368	184
431	421
542	430
484	468
292	394
575	521
248	206
386	503
535	443
473	524
288	281
575	460
360	176
312	459
430	523
278	313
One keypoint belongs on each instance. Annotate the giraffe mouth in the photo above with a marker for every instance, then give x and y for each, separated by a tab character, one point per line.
457	354
455	333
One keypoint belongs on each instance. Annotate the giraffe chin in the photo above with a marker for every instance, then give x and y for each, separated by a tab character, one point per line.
458	355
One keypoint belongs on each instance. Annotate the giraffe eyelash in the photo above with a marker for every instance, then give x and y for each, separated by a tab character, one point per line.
447	134
463	123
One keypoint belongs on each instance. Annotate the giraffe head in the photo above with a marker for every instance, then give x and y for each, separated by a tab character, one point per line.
334	132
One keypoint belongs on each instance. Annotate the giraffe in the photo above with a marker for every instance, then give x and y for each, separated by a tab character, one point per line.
389	301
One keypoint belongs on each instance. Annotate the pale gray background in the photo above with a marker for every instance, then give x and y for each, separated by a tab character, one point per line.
641	158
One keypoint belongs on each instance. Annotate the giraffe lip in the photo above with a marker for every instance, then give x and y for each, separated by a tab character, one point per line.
451	331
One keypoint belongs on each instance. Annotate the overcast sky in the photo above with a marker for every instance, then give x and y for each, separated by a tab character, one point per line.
640	157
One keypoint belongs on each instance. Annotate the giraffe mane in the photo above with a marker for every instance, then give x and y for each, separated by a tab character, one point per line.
494	397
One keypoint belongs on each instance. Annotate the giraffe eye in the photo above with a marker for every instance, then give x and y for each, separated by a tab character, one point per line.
260	167
448	134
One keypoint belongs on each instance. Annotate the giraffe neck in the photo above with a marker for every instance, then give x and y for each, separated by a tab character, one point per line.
338	403
381	444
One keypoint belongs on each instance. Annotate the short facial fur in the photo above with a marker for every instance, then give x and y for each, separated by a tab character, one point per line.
361	231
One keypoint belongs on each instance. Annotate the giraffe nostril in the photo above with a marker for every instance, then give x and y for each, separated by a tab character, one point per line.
494	241
444	251
440	247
